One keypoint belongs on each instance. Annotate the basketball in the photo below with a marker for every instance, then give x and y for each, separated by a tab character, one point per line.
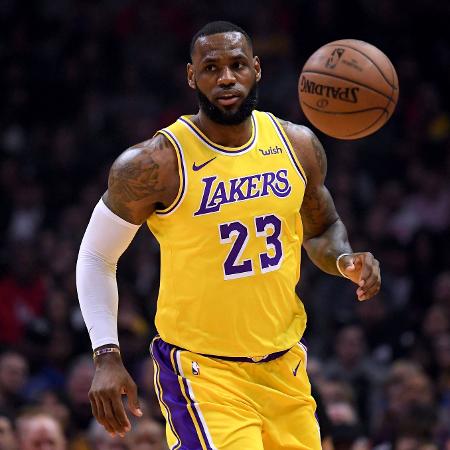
348	89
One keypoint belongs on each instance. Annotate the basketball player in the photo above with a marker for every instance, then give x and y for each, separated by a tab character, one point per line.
231	194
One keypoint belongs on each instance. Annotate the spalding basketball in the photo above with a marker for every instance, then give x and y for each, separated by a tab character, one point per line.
348	89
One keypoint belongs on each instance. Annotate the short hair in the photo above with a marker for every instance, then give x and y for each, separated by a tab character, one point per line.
219	26
35	413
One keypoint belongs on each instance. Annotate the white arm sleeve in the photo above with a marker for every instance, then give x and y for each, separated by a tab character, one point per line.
107	236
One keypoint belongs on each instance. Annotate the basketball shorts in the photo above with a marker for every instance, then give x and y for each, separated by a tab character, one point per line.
212	403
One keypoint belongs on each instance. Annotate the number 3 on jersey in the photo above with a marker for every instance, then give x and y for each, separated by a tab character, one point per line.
233	267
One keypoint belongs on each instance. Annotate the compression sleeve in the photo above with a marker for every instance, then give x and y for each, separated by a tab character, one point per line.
107	236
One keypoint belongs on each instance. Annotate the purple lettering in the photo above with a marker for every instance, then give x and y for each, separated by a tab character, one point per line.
235	189
253	185
219	196
268	179
258	185
282	179
204	209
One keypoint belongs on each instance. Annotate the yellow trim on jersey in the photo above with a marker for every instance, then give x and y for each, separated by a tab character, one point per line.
181	172
186	120
290	146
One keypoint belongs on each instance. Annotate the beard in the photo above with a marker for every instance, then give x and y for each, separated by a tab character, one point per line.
227	117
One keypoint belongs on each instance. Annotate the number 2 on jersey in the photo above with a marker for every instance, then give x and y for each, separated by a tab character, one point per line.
233	267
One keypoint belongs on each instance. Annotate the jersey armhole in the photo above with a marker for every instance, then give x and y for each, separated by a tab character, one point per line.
181	172
289	147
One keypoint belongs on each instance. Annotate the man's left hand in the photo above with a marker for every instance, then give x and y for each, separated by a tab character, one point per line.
364	270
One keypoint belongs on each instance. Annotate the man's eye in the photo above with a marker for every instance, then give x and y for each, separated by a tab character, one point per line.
210	67
237	65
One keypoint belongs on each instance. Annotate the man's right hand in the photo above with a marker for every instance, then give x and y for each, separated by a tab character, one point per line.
111	381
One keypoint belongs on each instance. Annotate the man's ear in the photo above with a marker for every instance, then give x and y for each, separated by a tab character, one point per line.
190	75
257	66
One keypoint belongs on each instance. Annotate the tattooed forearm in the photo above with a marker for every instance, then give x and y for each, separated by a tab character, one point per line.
324	249
318	211
324	234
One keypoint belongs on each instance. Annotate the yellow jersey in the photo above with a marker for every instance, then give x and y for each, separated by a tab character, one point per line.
231	243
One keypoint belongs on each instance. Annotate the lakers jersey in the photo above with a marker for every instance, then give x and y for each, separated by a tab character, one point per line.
231	243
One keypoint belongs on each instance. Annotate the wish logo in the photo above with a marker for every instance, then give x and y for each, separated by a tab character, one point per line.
271	151
218	192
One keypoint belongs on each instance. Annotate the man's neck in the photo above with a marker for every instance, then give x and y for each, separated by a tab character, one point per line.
226	135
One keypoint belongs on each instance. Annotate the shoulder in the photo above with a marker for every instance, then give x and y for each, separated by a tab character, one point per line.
307	147
144	157
143	176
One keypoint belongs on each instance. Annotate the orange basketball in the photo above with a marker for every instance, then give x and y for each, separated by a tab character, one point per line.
348	89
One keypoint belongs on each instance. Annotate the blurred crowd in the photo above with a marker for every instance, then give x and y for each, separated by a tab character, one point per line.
83	80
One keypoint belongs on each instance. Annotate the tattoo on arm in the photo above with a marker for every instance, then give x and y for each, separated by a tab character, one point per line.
141	180
135	182
318	210
325	234
320	155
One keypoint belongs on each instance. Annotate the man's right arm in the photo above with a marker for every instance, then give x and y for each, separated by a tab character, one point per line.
140	179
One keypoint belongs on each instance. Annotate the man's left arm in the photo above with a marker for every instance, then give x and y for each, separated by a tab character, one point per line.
325	235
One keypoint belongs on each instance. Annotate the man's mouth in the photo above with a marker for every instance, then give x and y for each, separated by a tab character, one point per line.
228	99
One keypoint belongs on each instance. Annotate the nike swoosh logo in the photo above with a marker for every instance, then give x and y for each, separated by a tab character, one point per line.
195	167
295	370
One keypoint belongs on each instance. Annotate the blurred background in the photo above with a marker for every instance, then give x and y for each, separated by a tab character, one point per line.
83	80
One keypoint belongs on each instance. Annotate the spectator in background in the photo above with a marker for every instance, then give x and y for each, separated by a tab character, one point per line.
52	342
410	409
99	439
77	387
148	435
28	212
353	365
7	437
22	294
54	404
39	431
345	424
13	377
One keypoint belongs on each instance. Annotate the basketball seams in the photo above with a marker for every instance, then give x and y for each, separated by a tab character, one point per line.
345	112
369	126
394	76
346	136
369	58
385	111
318	72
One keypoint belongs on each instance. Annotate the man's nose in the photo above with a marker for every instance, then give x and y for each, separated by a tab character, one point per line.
226	77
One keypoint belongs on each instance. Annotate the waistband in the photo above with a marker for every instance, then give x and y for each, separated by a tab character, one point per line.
255	359
250	359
